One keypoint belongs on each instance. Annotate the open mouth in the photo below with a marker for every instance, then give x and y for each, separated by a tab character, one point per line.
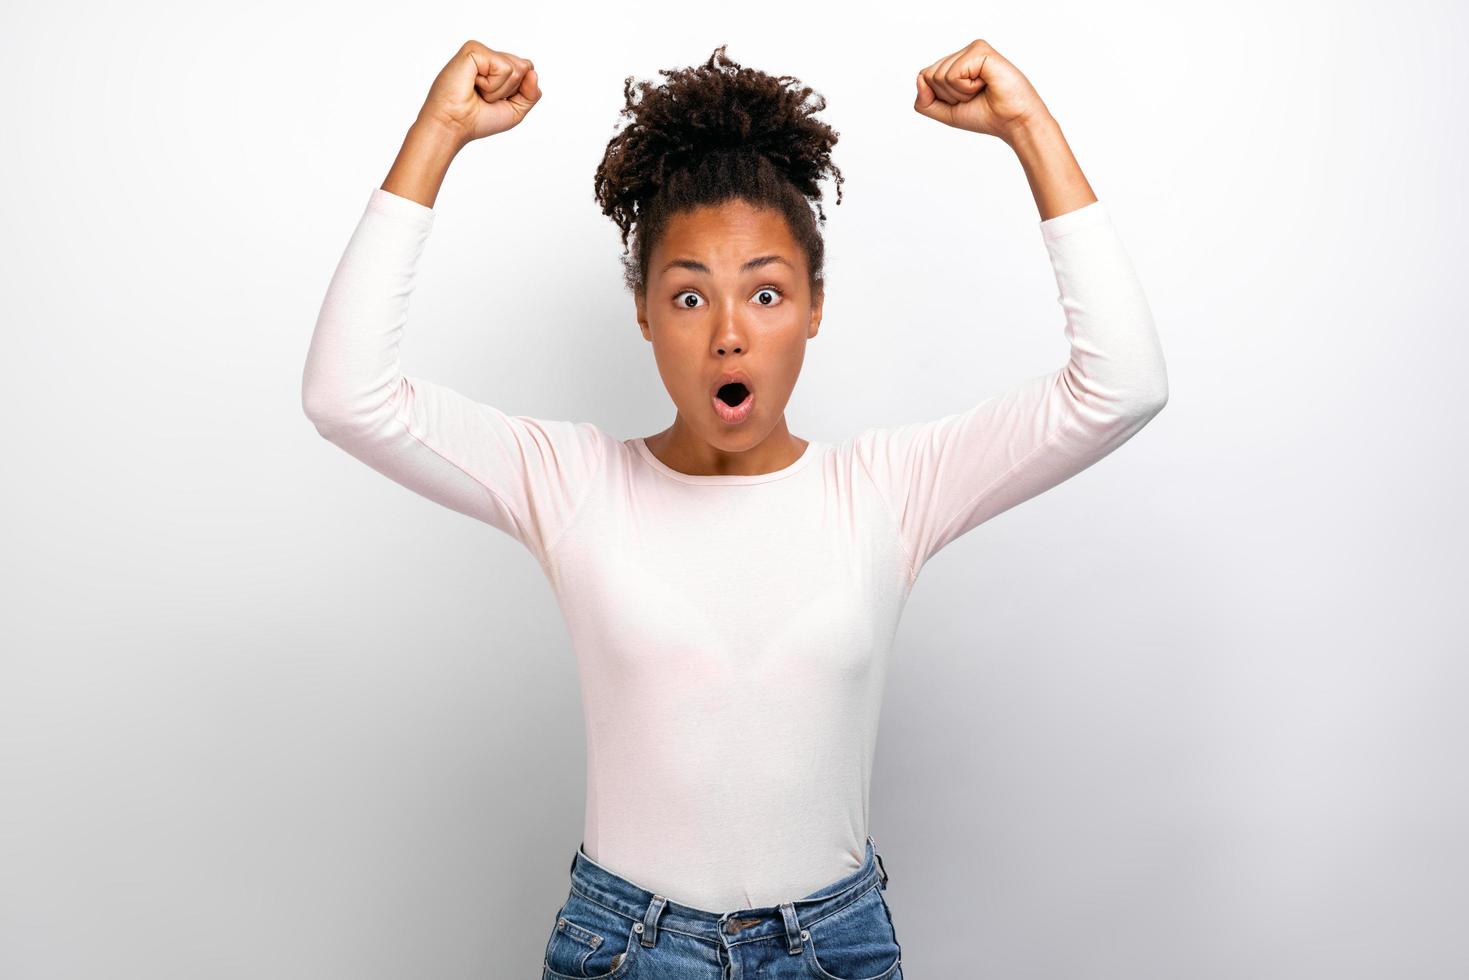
733	402
732	394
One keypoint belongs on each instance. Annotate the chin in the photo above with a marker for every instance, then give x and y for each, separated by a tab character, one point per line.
735	439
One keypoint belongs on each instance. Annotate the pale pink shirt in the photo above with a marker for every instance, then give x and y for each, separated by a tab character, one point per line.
731	633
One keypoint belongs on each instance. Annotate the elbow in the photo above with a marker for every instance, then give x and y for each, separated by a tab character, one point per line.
313	405
1120	391
324	427
1151	401
1141	401
1150	394
1142	408
339	412
323	411
326	401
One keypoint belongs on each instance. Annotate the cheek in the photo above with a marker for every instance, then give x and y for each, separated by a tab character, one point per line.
793	352
679	364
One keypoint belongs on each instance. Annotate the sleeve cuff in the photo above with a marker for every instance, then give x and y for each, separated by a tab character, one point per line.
1064	224
395	206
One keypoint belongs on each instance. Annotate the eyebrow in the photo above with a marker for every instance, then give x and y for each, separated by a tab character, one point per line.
754	263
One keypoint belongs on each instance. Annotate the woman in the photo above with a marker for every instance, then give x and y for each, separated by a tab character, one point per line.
731	589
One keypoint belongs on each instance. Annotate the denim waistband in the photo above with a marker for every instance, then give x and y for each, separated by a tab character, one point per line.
609	889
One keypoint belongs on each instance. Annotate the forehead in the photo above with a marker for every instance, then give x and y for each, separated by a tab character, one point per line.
724	236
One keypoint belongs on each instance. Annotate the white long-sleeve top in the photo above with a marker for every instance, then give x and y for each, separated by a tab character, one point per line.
731	632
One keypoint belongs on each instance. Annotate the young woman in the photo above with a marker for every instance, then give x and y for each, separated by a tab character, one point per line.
731	589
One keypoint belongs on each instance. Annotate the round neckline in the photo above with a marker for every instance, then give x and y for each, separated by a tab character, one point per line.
726	479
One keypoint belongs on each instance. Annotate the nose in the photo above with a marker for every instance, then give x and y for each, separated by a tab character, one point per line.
729	338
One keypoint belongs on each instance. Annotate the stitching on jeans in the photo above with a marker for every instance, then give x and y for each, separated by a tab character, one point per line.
808	948
845	907
662	928
577	891
580	933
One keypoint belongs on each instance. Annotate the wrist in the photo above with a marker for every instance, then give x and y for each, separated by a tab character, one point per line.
422	162
1033	136
433	137
1050	167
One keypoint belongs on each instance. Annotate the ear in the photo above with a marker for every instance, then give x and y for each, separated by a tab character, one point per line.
816	303
640	303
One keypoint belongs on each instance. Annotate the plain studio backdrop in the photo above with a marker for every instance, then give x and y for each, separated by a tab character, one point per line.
1197	712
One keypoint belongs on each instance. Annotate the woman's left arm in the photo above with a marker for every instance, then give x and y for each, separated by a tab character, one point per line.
942	477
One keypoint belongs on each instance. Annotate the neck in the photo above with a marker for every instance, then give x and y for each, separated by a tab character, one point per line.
680	448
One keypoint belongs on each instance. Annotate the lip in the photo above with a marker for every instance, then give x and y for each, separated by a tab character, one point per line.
730	377
737	414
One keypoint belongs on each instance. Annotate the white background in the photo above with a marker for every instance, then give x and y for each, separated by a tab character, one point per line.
1198	712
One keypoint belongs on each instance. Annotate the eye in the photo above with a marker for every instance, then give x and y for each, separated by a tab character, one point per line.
763	294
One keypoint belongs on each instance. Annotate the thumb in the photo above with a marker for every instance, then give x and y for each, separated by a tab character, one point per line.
529	93
466	69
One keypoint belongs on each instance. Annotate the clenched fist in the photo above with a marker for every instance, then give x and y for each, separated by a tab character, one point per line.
481	92
976	89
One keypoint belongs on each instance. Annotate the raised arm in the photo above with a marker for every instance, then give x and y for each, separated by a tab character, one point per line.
943	477
524	476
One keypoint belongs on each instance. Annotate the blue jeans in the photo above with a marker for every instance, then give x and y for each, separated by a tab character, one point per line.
611	928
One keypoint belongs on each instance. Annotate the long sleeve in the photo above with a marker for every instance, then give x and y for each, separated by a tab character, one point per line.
524	476
944	477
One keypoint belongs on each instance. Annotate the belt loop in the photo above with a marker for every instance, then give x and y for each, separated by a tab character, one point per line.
649	926
881	868
795	935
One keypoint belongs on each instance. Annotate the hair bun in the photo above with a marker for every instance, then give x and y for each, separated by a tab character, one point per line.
712	131
720	108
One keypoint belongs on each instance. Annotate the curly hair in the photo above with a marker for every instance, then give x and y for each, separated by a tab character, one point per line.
708	134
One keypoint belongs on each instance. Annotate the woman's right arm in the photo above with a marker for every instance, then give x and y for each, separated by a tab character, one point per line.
524	476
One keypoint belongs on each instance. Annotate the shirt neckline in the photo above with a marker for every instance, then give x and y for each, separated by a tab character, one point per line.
725	479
